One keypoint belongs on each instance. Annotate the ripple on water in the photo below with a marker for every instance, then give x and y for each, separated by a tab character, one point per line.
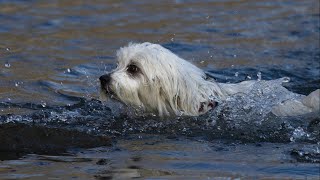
73	43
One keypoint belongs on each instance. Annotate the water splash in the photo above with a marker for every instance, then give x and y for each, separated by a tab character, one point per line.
253	111
96	118
236	74
7	65
259	76
43	104
245	117
298	134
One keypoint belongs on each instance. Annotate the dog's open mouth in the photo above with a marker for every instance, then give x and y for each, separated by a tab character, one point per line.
107	92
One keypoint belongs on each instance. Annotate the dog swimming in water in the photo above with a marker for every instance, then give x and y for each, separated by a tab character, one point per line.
153	78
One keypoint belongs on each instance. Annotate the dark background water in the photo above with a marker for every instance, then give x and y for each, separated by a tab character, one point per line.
52	53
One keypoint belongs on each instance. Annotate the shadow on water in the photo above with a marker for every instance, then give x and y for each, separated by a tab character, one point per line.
89	123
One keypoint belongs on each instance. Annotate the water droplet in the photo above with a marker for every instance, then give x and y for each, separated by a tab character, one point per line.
285	79
247	107
172	39
16	84
7	65
43	104
201	62
234	55
68	70
248	77
8	49
259	76
298	133
236	74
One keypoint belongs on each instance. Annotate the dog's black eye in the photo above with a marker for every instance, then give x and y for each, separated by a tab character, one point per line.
132	69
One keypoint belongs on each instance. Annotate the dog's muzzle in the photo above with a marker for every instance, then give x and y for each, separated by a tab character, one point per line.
105	81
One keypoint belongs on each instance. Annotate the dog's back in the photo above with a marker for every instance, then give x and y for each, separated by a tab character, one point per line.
293	106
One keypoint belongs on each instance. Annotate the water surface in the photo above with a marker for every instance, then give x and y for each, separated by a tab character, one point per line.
52	53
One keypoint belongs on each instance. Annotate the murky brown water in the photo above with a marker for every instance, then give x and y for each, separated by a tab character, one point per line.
42	40
52	52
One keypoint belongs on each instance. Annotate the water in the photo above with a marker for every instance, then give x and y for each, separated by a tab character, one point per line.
52	126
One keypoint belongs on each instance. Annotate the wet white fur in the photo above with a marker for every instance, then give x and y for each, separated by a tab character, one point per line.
167	84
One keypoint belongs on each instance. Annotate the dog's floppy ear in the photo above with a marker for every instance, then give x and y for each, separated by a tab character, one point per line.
193	96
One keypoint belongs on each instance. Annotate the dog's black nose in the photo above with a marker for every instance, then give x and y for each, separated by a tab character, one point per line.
105	79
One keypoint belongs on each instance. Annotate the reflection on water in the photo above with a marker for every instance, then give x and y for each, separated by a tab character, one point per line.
149	156
52	52
41	40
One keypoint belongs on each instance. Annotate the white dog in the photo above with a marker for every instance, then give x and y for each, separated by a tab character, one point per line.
153	78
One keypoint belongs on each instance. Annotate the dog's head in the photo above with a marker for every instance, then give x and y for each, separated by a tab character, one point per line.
153	78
